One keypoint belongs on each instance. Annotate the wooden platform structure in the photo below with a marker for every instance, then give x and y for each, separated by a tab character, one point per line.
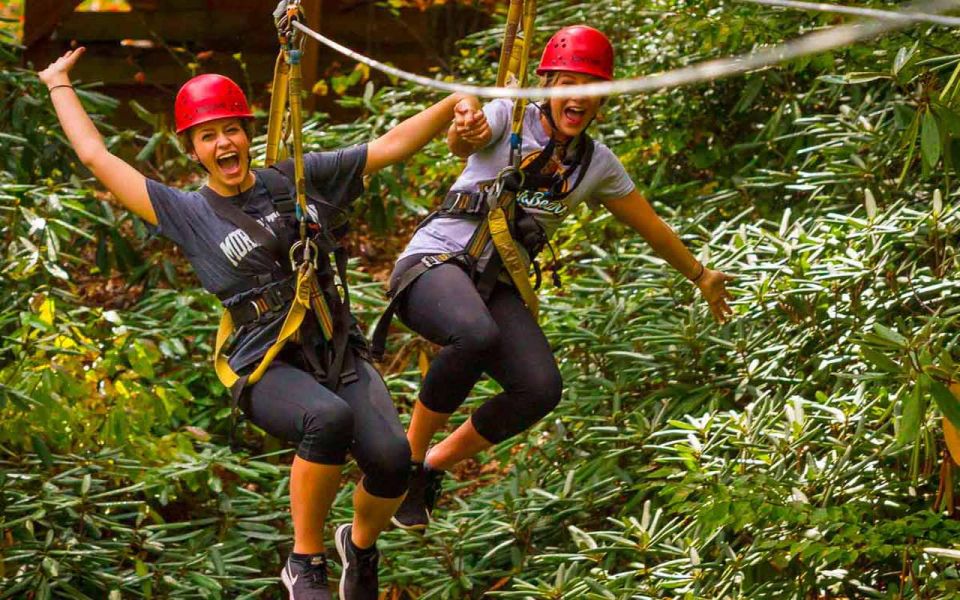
148	52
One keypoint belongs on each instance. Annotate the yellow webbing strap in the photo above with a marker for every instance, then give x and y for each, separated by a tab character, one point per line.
322	310
479	241
278	103
497	223
524	46
512	260
291	324
509	38
296	123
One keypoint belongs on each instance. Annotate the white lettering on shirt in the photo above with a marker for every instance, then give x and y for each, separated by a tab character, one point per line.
236	245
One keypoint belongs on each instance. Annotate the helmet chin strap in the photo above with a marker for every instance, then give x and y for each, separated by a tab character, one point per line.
544	108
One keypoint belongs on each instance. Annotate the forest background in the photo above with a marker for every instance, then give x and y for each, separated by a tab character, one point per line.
796	452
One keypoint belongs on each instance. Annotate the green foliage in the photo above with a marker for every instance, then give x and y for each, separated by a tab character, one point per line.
88	532
793	453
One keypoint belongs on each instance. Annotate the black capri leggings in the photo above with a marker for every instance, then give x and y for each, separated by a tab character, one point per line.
499	337
290	404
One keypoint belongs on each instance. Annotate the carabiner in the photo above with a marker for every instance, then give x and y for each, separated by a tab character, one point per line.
284	15
498	183
310	254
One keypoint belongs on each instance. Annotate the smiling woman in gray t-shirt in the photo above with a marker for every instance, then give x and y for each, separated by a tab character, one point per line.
238	239
466	303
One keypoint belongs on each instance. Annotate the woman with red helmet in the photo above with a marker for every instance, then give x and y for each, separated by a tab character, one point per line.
234	231
462	300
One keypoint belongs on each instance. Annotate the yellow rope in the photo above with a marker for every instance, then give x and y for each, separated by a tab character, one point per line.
278	102
509	38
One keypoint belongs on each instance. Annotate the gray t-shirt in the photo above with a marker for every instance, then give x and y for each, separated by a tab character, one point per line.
605	179
225	259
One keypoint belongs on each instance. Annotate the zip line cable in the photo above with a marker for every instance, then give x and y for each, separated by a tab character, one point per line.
813	43
873	13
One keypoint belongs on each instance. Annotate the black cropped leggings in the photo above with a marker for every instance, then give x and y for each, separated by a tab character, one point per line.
498	337
288	403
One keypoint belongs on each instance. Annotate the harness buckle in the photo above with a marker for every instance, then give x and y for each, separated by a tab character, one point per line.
260	306
435	259
310	254
479	206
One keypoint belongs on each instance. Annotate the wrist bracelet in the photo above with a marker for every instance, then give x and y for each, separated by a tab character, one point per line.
62	85
703	270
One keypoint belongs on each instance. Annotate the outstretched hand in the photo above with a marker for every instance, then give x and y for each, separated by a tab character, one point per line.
470	122
713	286
58	72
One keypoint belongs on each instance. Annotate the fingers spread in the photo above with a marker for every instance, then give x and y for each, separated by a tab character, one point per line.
717	314
720	309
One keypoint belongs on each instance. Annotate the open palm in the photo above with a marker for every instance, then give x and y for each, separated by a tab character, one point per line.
58	72
713	286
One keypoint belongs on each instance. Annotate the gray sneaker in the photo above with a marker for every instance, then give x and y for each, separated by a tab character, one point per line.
306	579
359	580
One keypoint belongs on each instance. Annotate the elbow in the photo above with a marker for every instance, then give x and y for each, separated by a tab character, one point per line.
91	156
88	160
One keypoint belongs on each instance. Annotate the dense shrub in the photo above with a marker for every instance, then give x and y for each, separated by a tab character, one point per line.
796	452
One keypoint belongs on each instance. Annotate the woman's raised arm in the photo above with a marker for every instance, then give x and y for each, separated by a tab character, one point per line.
127	184
404	140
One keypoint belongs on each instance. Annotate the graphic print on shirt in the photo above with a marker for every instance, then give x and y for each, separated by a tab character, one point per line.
542	199
237	244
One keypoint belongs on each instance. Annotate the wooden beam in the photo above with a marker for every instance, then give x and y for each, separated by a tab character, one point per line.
115	66
40	17
262	8
241	29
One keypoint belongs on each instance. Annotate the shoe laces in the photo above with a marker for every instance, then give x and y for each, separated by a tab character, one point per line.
315	571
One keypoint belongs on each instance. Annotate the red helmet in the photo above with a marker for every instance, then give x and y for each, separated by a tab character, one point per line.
208	97
579	49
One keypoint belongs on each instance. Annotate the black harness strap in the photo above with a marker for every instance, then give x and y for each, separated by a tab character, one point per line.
378	343
533	178
464	203
270	302
342	370
275	179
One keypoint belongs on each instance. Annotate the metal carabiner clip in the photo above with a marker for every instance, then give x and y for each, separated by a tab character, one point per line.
498	183
286	12
310	254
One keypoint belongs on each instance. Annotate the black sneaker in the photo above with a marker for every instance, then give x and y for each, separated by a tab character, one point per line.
359	579
422	494
307	579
